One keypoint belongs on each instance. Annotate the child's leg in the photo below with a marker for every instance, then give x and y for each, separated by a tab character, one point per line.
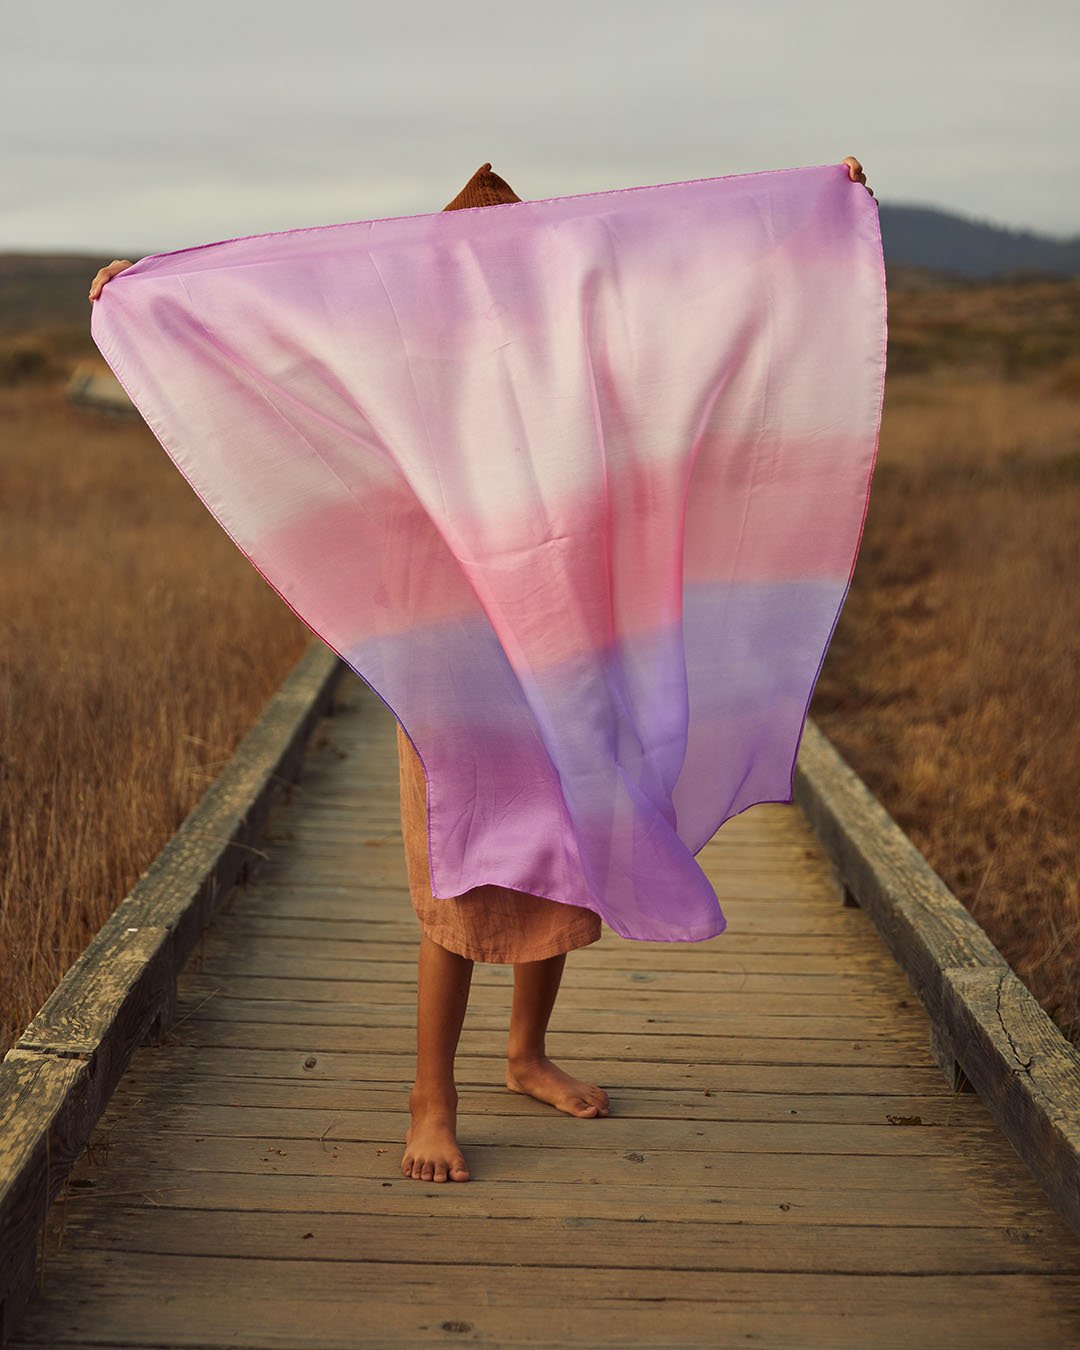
442	995
536	984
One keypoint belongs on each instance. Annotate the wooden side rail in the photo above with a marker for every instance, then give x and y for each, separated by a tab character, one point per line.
57	1079
987	1030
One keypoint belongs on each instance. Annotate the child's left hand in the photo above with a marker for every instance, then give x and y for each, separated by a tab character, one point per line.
855	172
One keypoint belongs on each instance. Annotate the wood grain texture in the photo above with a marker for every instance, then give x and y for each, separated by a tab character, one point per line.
44	1124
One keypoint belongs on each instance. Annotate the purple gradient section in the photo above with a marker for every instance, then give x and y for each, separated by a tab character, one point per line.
585	783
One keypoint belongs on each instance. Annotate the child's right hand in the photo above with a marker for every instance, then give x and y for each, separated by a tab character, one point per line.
855	172
106	274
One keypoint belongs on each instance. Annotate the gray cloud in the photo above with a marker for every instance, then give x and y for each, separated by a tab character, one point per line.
150	126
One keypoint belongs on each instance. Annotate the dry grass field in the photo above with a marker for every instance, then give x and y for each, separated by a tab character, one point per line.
952	685
139	645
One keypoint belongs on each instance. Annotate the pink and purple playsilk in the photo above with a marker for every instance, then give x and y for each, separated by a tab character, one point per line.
576	486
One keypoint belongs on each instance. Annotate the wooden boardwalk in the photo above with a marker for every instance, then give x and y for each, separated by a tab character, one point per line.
784	1164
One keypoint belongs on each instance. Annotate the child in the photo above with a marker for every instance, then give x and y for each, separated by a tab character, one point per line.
487	923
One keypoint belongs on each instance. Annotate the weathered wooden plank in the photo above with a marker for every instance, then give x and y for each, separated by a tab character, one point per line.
635	997
601	1244
340	976
304	1304
720	1050
964	1111
548	1130
631	1074
313	948
1025	1071
725	1201
508	1160
569	1018
111	999
802	971
43	1127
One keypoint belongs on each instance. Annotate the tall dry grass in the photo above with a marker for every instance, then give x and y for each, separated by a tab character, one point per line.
137	646
952	685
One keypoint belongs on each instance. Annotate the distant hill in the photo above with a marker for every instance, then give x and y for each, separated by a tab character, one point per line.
40	290
922	245
924	237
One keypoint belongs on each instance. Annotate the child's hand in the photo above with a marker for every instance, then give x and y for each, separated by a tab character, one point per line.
106	274
855	172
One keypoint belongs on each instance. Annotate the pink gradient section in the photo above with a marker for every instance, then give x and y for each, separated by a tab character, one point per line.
577	486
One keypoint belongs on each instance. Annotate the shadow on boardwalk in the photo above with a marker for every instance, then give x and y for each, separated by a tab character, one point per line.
784	1164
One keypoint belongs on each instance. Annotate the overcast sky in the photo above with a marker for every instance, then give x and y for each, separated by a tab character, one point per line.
138	126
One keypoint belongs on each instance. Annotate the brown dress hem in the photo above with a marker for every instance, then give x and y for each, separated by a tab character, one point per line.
487	923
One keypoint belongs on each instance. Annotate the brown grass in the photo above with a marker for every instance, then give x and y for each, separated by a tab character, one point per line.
140	645
952	685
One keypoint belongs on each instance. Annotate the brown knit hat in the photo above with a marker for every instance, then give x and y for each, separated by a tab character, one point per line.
484	188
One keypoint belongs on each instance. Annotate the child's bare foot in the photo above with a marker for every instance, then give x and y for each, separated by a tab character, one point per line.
539	1077
431	1146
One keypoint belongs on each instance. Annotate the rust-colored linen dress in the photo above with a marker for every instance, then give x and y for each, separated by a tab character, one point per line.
488	923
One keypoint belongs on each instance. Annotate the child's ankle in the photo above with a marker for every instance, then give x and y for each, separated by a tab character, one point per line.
525	1059
429	1097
